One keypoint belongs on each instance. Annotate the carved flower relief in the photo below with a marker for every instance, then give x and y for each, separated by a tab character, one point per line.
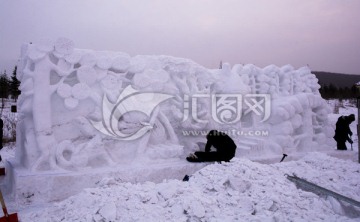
72	94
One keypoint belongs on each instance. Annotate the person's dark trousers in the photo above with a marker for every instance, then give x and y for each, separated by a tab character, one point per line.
1	137
341	145
212	156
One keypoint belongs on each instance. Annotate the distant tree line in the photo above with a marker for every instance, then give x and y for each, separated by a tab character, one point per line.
331	91
9	87
337	79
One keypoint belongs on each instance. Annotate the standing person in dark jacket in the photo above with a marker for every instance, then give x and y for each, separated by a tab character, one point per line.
224	145
342	131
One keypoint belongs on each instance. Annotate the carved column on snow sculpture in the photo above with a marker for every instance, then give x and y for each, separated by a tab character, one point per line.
41	62
271	80
286	80
43	90
42	111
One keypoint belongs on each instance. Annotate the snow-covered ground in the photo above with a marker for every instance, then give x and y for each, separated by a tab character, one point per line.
241	190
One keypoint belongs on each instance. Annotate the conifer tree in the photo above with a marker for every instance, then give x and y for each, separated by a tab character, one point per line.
14	85
4	88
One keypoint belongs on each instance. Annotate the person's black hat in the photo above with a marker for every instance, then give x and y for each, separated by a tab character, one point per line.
352	117
212	133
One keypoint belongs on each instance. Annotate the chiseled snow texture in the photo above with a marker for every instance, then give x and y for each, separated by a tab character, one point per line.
237	191
68	94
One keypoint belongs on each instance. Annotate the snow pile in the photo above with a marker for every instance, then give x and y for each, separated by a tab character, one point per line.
237	191
81	108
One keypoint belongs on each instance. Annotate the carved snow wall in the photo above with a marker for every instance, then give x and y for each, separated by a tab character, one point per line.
83	108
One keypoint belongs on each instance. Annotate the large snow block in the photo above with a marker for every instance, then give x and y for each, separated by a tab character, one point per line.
82	108
29	188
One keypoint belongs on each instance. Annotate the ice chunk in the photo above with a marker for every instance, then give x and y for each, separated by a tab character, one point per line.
197	208
108	211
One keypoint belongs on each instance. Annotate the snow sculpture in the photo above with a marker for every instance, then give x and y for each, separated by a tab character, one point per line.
75	107
64	91
298	120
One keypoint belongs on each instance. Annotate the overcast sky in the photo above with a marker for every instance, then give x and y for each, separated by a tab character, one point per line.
324	34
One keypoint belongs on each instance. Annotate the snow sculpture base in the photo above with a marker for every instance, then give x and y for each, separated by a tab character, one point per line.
59	185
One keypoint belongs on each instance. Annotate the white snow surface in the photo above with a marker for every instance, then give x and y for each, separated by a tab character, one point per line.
240	190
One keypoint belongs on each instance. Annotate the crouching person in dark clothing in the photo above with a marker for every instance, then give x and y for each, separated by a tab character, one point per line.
224	145
342	131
